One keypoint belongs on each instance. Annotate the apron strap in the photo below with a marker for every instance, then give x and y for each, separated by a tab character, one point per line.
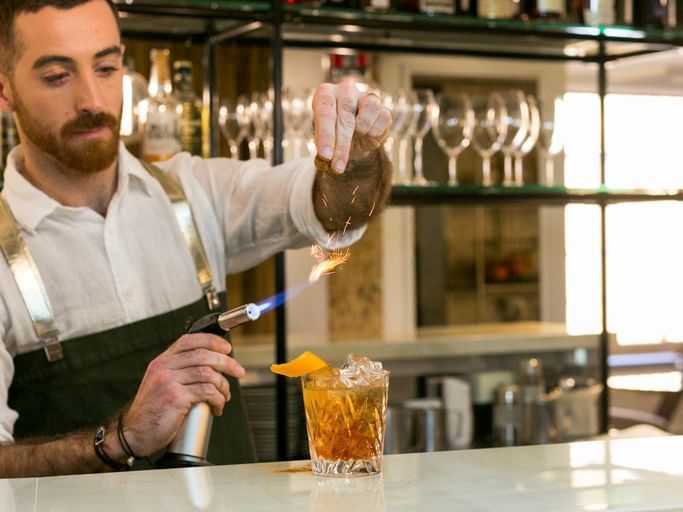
31	285
188	227
29	282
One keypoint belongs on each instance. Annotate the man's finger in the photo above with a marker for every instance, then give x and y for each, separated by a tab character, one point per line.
207	393
369	108
325	120
347	105
203	357
380	128
206	375
189	342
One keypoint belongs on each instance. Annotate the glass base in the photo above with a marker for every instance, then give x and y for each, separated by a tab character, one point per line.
346	468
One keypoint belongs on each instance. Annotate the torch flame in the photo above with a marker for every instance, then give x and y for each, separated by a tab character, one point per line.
327	262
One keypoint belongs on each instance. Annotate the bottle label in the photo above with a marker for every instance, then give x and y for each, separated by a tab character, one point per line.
161	136
192	129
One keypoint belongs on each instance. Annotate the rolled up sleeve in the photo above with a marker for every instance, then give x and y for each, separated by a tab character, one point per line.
261	209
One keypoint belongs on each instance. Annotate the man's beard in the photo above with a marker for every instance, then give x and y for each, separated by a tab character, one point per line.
89	156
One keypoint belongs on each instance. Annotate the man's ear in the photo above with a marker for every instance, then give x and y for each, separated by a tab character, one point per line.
6	100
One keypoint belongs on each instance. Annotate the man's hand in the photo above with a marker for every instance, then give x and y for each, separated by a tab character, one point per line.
189	372
348	125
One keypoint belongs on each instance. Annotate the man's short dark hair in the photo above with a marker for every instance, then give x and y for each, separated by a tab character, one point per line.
10	9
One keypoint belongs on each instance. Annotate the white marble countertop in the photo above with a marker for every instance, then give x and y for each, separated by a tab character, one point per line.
615	475
434	343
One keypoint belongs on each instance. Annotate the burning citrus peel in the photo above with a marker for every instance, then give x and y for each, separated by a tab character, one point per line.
305	363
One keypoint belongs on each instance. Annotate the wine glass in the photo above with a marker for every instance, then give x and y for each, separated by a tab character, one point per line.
422	123
403	109
262	119
244	121
530	141
453	124
489	130
516	120
297	117
227	122
550	138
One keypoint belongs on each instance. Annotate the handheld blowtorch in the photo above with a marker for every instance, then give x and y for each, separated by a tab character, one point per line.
191	443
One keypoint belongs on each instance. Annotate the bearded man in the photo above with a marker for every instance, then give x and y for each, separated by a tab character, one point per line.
97	279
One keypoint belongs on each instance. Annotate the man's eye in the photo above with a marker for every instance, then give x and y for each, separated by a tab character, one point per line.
55	79
107	70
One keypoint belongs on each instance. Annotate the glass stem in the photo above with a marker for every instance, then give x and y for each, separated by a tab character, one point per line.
452	170
486	171
234	150
417	162
268	149
507	170
403	160
519	171
549	171
297	147
253	148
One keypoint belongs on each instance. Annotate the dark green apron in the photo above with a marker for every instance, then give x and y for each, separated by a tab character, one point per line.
100	374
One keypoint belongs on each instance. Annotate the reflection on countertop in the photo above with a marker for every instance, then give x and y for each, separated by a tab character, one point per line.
610	475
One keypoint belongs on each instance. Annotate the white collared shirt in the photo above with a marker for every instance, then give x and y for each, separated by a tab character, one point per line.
104	272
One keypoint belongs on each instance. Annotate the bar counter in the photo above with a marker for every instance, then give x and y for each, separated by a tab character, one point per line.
614	475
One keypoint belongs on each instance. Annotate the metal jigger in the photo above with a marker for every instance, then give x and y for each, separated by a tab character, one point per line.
191	444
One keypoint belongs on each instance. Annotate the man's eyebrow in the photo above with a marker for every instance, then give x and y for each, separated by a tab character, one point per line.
61	59
112	50
51	59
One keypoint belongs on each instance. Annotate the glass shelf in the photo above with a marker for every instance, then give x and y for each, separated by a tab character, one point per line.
306	26
472	195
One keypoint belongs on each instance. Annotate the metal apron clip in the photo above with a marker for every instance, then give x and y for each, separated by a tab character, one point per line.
29	282
188	228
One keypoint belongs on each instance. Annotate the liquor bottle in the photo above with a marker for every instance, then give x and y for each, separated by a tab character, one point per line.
498	9
544	9
599	12
135	89
191	108
160	113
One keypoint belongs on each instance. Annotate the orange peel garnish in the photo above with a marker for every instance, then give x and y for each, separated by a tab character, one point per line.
305	363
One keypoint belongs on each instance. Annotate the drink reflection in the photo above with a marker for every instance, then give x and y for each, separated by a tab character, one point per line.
346	494
198	488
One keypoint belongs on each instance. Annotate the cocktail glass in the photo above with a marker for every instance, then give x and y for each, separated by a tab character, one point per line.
345	417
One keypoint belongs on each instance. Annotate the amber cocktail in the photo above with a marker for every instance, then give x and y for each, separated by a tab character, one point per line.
345	414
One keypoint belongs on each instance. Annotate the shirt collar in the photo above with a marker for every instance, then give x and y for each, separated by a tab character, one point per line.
31	205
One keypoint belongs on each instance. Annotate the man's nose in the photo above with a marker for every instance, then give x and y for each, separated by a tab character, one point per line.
89	97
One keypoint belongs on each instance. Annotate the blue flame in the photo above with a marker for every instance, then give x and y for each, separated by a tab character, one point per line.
279	299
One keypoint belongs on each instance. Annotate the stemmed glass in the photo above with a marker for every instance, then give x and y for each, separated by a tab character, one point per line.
227	122
489	130
262	119
246	127
422	123
297	117
403	109
516	120
550	139
529	142
453	124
